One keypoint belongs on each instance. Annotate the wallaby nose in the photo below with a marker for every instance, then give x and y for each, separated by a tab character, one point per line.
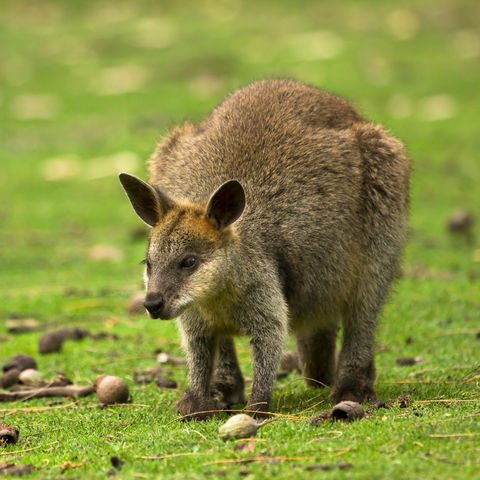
154	304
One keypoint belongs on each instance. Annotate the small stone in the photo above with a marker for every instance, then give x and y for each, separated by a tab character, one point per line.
8	434
238	426
20	362
111	390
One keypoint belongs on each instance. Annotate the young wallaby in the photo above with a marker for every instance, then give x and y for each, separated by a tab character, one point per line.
283	211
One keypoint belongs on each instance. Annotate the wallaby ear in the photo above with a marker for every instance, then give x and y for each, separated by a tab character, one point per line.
146	200
226	204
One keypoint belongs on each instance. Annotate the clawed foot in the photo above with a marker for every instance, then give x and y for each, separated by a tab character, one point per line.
194	407
354	391
228	392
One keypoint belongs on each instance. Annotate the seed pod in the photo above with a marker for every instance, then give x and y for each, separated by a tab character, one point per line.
165	382
347	411
10	378
460	221
51	342
59	380
238	426
111	390
20	362
32	378
8	434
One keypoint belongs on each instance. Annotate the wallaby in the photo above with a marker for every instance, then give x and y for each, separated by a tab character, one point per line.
283	211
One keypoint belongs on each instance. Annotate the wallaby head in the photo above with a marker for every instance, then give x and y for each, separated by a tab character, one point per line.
188	244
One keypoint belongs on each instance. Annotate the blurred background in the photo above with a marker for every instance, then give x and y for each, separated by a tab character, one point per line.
89	87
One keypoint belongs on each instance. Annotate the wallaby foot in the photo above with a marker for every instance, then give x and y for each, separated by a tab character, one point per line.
194	407
228	391
356	385
259	410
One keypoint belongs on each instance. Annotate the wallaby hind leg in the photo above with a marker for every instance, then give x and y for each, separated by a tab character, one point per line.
356	368
227	385
317	355
385	181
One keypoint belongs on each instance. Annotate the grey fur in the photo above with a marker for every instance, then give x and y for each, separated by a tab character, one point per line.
319	241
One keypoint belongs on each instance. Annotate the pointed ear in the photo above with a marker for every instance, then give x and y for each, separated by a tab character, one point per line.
147	201
226	204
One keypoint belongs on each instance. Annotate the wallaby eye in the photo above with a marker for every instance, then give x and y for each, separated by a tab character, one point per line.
147	263
188	262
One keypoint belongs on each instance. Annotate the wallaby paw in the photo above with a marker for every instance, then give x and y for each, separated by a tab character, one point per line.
194	407
355	392
228	393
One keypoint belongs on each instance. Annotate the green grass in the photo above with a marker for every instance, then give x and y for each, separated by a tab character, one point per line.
117	76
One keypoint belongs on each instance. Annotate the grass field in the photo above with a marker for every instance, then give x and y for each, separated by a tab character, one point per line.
88	88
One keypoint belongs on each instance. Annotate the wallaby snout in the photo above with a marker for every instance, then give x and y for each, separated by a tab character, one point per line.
154	303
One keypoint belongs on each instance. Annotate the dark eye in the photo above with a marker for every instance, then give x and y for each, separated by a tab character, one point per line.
147	263
188	262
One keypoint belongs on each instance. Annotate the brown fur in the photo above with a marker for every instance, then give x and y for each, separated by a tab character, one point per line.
318	241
